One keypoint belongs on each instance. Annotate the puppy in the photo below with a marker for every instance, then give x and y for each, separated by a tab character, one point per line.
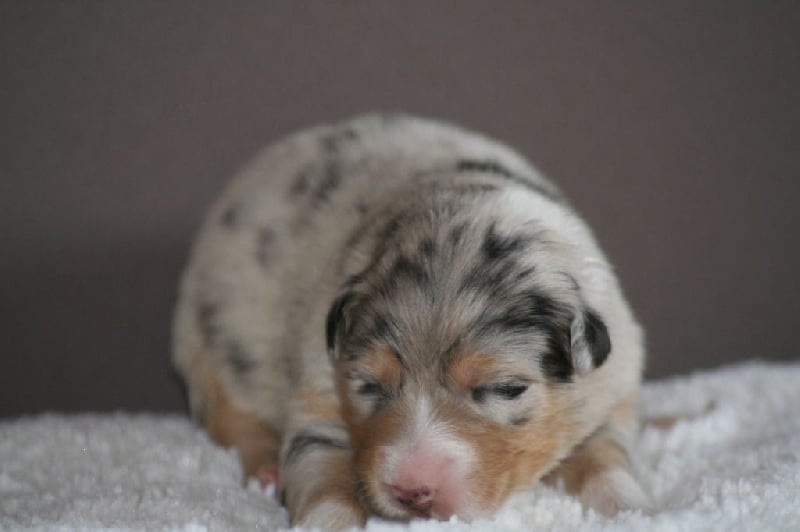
395	316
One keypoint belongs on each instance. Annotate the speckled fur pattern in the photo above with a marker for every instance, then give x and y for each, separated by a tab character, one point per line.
406	318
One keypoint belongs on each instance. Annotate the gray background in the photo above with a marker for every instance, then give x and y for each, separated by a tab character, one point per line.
673	126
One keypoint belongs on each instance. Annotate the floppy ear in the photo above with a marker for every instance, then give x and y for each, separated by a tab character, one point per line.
590	343
336	322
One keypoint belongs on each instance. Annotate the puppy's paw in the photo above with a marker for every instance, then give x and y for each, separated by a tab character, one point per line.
330	514
614	490
265	475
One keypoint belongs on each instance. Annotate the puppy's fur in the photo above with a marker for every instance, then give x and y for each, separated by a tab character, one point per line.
404	318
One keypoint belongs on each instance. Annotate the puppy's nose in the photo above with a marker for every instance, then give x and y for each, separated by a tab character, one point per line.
418	499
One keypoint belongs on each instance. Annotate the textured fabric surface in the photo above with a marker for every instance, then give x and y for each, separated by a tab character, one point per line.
730	462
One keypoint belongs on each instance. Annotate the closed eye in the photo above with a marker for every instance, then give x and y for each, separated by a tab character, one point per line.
371	388
508	391
503	390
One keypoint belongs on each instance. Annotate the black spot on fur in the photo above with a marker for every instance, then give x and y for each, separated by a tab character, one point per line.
301	183
317	182
596	334
231	216
533	312
265	244
390	229
555	320
331	178
382	329
469	189
238	358
405	268
523	274
489	167
372	328
403	272
333	142
384	236
556	365
495	280
496	246
547	307
305	441
207	316
426	248
500	274
556	362
335	319
495	168
456	236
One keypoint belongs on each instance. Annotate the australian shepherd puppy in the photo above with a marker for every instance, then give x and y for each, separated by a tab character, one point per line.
399	317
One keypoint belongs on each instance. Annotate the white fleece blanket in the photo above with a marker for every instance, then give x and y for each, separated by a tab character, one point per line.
732	462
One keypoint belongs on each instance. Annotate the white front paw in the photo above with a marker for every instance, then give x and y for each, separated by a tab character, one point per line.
614	490
332	515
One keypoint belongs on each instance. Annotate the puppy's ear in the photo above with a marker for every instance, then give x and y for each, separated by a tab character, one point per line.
590	343
336	322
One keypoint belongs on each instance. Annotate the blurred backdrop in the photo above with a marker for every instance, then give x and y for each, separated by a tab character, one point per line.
673	126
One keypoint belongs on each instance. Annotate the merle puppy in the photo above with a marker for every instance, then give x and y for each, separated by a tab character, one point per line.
396	316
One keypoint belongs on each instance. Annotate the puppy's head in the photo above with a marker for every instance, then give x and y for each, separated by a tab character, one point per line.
456	352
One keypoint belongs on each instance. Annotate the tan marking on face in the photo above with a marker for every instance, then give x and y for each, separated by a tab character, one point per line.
381	364
384	365
507	457
511	457
472	369
368	439
381	427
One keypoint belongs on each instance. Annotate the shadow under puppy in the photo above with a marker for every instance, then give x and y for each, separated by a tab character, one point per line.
396	316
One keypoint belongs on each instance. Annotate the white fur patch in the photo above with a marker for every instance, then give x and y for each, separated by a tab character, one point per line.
432	433
430	449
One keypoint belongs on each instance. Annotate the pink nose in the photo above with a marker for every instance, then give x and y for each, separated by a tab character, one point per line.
418	499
